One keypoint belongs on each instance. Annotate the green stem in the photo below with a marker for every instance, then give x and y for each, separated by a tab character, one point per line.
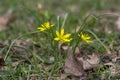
65	18
76	45
81	28
35	61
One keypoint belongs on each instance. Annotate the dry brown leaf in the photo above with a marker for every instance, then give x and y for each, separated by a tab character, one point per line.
72	65
24	44
86	64
113	56
91	62
5	19
94	59
77	51
76	65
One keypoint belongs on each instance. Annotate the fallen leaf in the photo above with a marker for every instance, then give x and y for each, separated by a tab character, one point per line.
93	59
5	19
86	64
90	62
24	44
72	65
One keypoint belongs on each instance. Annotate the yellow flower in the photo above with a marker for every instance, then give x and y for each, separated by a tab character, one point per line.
45	26
85	37
62	37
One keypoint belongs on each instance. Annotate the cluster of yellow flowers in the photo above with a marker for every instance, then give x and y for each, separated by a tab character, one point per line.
61	36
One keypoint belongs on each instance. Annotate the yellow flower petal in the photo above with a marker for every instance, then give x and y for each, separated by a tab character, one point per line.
85	37
57	33
40	28
47	24
66	40
67	35
62	32
57	39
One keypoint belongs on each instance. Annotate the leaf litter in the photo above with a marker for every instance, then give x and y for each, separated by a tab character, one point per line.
79	66
6	19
